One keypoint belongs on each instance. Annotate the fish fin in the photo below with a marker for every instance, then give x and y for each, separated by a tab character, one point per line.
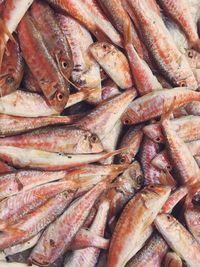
167	111
127	34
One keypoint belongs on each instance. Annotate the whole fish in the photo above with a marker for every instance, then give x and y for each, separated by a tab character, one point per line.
102	118
143	77
88	257
186	127
181	13
172	260
53	36
91	16
25	104
12	69
12	125
13	11
151	254
179	239
43	160
160	43
153	104
57	237
133	139
44	70
86	71
61	139
32	223
114	62
136	217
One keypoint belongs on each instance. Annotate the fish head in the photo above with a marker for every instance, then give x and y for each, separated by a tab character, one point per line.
154	133
164	222
100	50
90	143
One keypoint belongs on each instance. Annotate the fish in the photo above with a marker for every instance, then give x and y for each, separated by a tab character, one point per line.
5	168
13	12
12	69
91	16
186	127
88	257
178	238
53	36
13	125
138	214
57	237
151	254
44	70
109	89
133	139
171	62
43	160
152	105
104	116
181	13
173	260
62	139
114	62
86	71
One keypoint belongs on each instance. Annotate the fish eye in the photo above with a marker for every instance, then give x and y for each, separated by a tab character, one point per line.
127	122
9	80
158	139
140	180
105	46
169	217
196	199
94	138
122	159
64	64
182	84
190	54
151	186
169	168
59	96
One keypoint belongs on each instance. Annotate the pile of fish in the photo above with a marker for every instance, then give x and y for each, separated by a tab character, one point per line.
100	133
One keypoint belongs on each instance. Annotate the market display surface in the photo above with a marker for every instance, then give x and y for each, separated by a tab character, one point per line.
100	133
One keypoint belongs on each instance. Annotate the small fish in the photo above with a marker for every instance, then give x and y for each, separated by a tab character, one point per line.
114	62
104	116
44	70
133	139
151	254
136	217
179	239
153	104
61	139
12	69
12	125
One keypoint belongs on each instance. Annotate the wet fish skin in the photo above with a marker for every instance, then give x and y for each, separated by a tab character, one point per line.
114	62
45	70
179	239
91	16
47	252
63	139
136	217
12	125
172	260
5	168
152	105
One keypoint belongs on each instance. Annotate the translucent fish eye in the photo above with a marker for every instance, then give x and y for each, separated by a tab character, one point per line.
127	122
94	138
158	139
9	80
64	64
182	84
59	96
